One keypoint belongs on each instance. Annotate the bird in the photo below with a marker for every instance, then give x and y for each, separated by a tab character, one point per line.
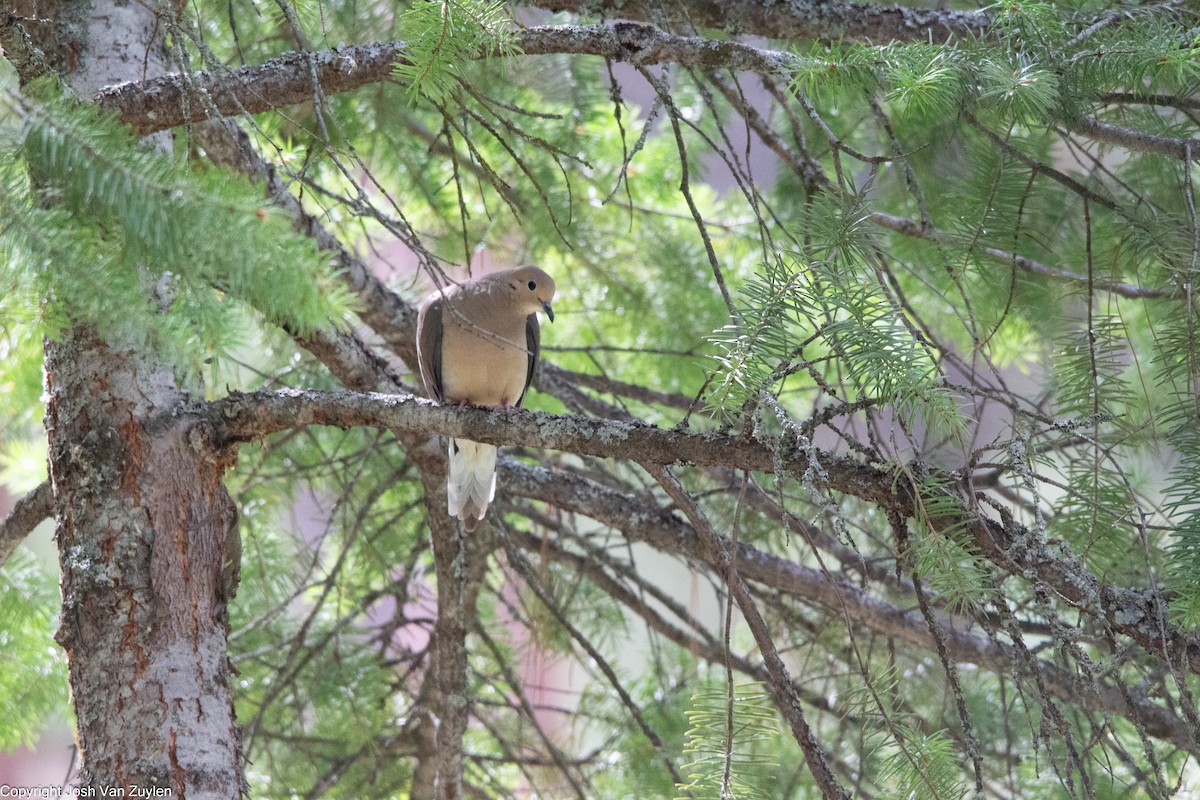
477	345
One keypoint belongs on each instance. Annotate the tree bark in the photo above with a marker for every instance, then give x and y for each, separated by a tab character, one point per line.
172	100
145	528
146	532
829	20
1133	612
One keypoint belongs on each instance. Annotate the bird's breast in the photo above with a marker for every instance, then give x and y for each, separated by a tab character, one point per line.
484	366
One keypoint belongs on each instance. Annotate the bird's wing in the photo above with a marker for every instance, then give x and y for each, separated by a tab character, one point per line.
533	344
429	347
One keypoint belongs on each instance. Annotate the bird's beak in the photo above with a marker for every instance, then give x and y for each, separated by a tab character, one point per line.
549	310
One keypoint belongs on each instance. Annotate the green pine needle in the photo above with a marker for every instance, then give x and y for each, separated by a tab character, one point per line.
116	235
729	767
440	37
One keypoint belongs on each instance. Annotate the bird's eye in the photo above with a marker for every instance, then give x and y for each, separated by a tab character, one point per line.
532	285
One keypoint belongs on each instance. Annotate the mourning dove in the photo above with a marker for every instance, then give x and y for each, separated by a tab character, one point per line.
477	344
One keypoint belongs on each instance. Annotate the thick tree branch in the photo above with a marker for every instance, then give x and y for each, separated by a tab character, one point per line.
30	510
826	21
171	100
1126	611
1167	100
174	99
245	417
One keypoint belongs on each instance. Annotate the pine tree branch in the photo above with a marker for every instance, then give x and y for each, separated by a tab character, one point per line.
1166	100
1182	149
808	170
521	566
383	310
172	100
778	681
27	513
824	21
640	522
567	767
909	227
1050	172
1139	614
595	566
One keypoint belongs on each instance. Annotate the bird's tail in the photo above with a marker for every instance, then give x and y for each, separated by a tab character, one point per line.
470	480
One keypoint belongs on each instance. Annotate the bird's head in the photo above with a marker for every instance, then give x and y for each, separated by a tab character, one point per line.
533	288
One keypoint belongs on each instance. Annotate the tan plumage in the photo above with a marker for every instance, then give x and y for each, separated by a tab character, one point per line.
477	344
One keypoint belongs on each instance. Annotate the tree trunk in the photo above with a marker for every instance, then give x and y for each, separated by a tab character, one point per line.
144	524
143	521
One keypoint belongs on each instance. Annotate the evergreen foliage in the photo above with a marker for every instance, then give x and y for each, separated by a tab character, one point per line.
100	229
794	318
911	258
441	37
942	554
730	741
33	684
